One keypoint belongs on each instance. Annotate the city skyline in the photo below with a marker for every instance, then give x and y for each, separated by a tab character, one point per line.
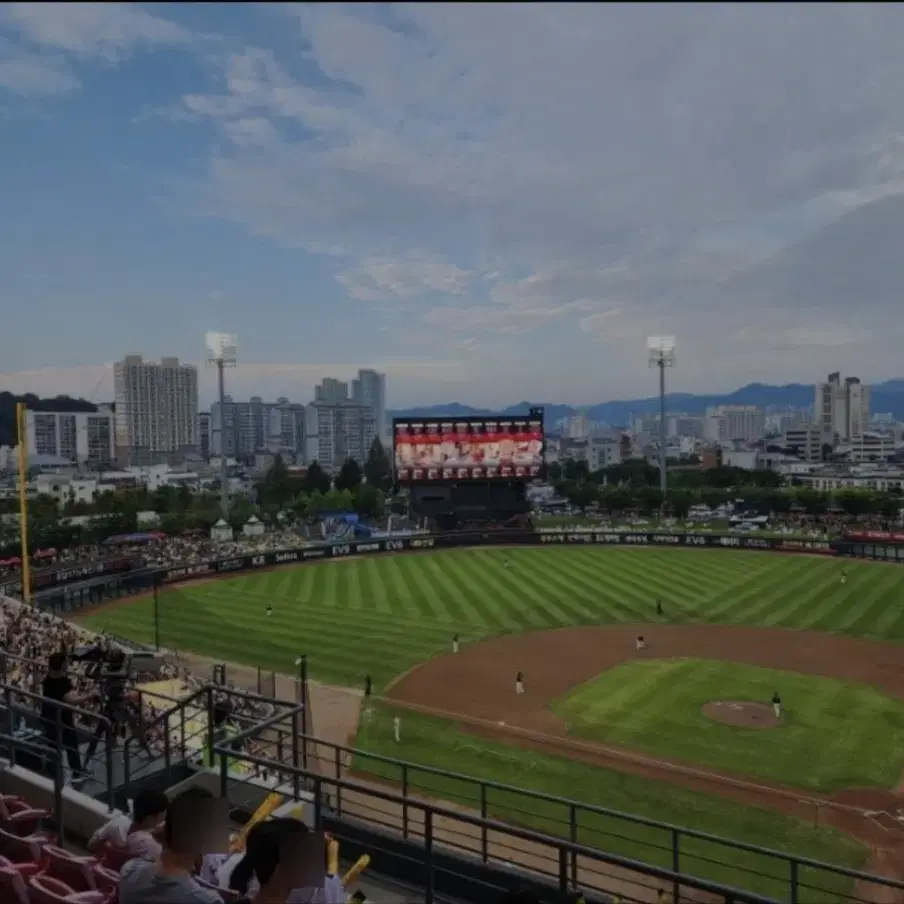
407	187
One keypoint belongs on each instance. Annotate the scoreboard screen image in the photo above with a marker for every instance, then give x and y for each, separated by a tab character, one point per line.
462	449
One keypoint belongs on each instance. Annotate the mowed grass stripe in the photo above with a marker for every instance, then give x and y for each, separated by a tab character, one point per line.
392	612
871	589
761	595
568	581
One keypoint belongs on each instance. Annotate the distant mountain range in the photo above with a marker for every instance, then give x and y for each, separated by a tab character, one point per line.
887	397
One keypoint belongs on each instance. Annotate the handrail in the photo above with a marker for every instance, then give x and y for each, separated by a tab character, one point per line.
10	689
267	723
736	896
102	723
598	810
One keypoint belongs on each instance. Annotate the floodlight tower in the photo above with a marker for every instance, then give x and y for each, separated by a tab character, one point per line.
221	353
661	354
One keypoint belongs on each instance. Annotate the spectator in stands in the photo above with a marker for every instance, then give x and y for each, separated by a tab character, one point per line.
273	869
169	880
58	722
137	836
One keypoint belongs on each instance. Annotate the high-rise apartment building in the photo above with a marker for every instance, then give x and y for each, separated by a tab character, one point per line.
724	423
369	388
331	391
842	409
336	432
244	428
156	410
76	437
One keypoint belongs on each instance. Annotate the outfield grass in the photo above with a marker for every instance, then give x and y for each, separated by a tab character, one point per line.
440	744
383	615
833	735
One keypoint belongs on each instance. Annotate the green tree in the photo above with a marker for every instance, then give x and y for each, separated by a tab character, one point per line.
349	475
398	505
277	488
680	502
856	502
812	501
378	468
370	502
649	500
316	480
316	504
339	501
616	499
575	469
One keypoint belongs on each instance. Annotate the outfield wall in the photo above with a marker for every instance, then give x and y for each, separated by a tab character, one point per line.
101	587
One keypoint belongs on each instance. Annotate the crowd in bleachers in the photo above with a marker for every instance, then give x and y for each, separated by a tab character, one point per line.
28	639
158	553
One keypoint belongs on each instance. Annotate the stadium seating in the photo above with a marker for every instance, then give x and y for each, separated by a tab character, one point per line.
18	817
13	886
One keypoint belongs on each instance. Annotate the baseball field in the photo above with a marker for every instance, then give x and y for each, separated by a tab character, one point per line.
681	731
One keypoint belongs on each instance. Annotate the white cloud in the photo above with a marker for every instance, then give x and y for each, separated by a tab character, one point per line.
488	172
104	30
601	150
402	277
34	75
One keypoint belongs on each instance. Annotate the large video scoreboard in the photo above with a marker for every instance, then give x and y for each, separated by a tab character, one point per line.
430	450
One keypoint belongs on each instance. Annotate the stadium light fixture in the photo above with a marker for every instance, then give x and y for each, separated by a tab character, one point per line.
661	354
222	352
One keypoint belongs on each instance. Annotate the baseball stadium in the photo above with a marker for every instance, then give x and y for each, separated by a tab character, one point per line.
754	737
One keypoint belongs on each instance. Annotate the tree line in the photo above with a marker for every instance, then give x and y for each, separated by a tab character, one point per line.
280	496
634	486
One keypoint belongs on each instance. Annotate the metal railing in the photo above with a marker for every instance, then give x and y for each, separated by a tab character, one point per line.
20	704
428	826
195	743
786	877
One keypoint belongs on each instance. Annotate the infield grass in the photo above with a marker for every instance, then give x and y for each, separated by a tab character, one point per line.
439	743
383	615
832	735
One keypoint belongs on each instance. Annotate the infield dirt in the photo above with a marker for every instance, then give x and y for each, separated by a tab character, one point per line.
476	687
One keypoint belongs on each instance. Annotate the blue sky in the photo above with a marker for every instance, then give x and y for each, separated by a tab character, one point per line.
489	203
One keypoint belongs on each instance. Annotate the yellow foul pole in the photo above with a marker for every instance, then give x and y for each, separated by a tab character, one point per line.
22	425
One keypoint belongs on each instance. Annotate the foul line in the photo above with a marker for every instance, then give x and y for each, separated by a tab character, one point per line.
635	757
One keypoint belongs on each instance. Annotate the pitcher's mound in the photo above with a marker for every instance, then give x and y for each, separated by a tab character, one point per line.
741	713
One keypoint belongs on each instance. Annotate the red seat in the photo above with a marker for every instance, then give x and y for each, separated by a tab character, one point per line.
47	890
25	822
12	885
76	871
115	857
10	803
107	881
21	849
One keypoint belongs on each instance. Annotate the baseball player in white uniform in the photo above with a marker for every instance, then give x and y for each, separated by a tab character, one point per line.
640	644
519	683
